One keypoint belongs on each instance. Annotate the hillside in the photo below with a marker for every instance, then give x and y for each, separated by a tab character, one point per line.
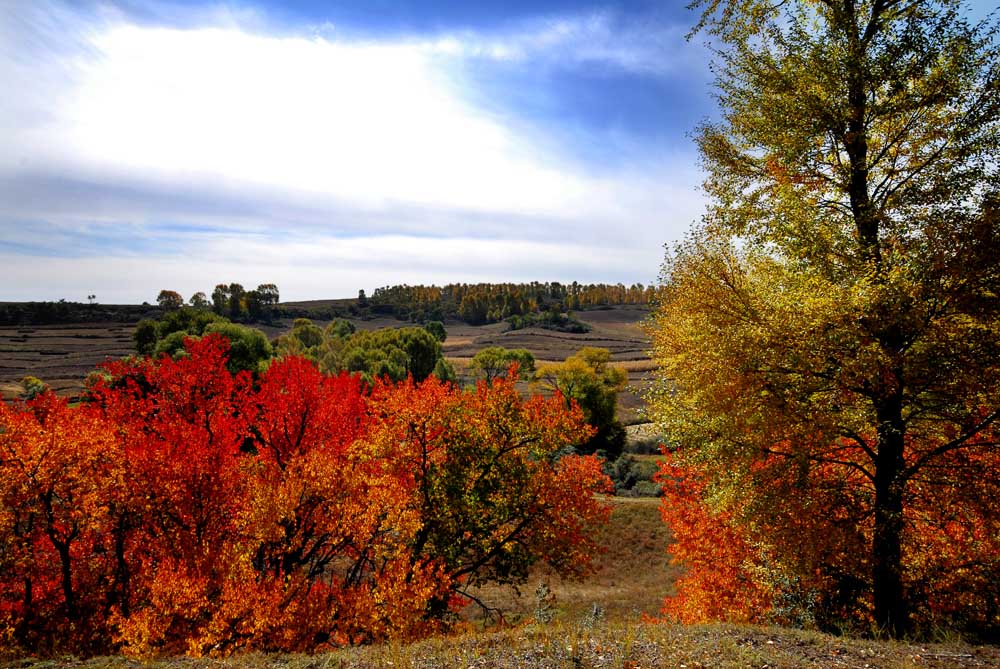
63	354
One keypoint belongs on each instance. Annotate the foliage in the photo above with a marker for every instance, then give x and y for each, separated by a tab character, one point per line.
495	362
169	300
633	477
436	328
199	301
249	348
185	508
549	320
491	303
829	336
588	379
32	387
50	313
395	353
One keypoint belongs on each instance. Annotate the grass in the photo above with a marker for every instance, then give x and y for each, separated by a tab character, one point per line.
586	643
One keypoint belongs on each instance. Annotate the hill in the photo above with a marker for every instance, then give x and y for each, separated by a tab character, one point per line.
62	354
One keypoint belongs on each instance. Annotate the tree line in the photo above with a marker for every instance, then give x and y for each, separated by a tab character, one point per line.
482	303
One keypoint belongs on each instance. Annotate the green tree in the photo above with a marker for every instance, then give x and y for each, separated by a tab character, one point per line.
169	300
237	306
837	308
588	378
32	387
436	328
145	336
493	362
249	348
199	301
220	299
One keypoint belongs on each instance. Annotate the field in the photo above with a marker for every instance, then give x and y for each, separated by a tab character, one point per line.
63	355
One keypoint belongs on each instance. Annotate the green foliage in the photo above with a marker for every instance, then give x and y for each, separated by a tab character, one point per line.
340	328
634	477
199	301
32	387
491	303
172	344
394	353
445	371
249	348
588	378
145	336
436	328
493	362
549	320
169	300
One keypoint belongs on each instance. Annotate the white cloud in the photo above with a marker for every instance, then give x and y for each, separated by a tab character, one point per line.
244	131
593	39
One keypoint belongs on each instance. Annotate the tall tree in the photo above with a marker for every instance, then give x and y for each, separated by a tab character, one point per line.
837	308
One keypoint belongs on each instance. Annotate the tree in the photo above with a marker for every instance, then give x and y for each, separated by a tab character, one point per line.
436	328
199	301
487	481
220	299
493	362
169	300
237	306
588	378
834	319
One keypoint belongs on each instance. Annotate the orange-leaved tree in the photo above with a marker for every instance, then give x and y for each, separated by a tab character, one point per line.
59	470
489	480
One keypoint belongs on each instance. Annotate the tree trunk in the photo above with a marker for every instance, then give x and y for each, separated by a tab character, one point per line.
891	609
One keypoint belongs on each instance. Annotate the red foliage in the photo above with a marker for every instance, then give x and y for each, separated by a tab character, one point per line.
185	509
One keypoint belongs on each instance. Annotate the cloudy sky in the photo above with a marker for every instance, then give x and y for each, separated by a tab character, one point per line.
149	144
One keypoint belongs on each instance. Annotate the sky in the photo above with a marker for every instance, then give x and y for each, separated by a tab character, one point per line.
331	147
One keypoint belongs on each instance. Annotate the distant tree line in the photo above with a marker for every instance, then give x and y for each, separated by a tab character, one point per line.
62	311
482	303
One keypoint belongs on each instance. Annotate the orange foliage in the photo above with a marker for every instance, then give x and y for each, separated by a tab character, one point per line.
794	549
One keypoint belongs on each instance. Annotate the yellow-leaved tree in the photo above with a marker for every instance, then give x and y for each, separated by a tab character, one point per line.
829	335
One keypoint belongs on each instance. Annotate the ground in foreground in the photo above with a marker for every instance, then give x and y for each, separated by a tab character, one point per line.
589	643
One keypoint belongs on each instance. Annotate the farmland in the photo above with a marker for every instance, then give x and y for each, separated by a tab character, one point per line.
62	355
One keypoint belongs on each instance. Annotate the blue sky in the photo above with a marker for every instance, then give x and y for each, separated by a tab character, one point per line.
327	147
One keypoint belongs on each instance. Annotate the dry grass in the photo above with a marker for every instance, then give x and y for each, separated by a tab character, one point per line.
632	573
586	643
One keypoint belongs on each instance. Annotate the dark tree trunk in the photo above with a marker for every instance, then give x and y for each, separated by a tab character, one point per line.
891	608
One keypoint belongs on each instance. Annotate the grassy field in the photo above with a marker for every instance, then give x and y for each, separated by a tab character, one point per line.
589	644
63	355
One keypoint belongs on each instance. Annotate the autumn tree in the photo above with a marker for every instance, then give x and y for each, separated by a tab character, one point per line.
589	379
489	480
831	328
169	300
